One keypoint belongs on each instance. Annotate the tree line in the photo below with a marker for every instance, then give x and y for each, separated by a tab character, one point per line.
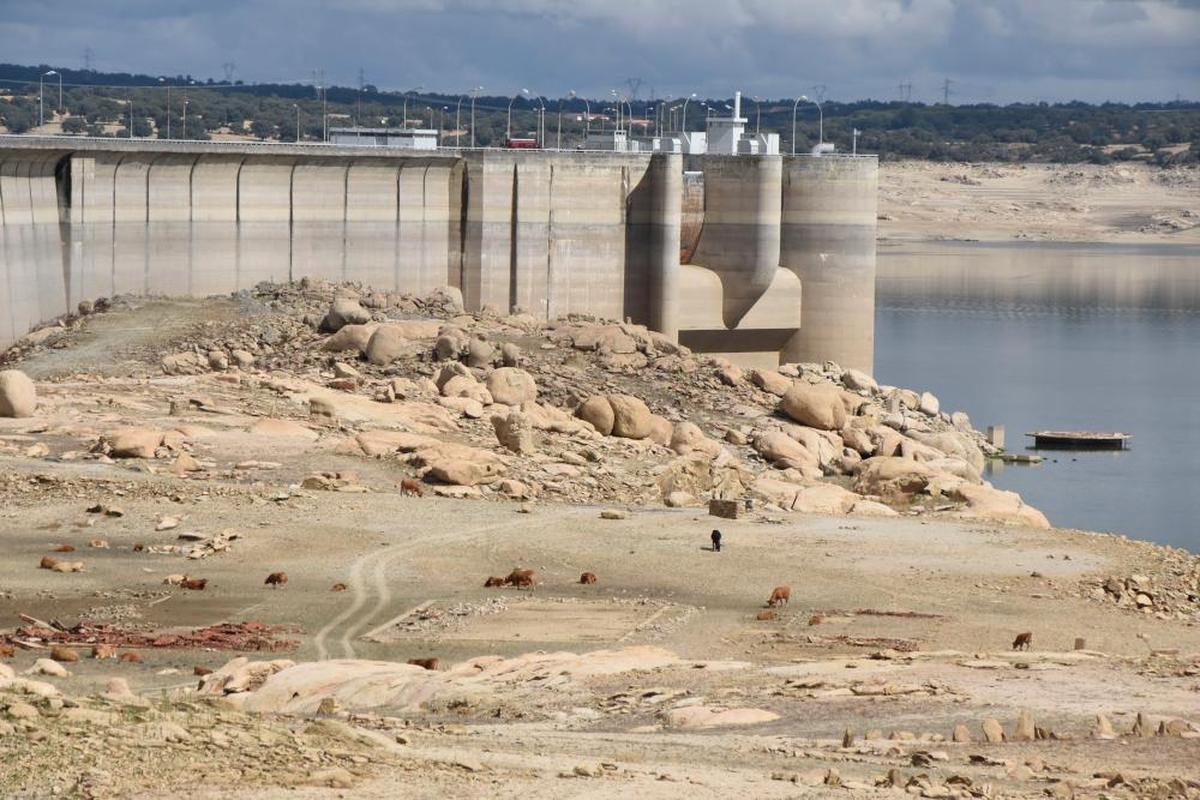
110	104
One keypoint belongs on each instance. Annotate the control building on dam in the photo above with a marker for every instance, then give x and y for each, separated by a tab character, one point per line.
762	258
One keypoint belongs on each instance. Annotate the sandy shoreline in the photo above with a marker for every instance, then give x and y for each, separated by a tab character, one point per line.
1125	203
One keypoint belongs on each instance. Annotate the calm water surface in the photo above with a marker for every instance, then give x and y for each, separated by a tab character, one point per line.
1064	336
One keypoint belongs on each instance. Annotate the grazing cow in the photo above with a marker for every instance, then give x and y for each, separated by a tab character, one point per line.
587	577
139	547
174	579
276	579
130	658
427	663
494	580
104	651
1023	641
48	562
780	596
521	578
63	653
410	486
65	548
7	651
765	616
338	587
196	584
716	541
201	671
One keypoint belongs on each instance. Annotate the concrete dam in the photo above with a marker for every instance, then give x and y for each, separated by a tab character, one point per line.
762	258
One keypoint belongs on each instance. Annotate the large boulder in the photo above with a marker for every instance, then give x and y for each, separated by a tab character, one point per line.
512	386
451	343
859	381
781	450
986	503
18	395
817	406
661	430
598	412
604	339
386	344
687	437
770	381
546	417
447	299
953	443
133	442
893	478
824	445
480	353
460	465
351	337
344	311
859	441
515	432
631	417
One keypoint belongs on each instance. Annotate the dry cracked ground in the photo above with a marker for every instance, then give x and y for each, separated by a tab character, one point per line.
383	455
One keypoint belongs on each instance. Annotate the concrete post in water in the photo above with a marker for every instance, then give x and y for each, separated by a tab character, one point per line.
828	241
995	435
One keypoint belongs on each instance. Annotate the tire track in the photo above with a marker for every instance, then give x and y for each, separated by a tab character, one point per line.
375	586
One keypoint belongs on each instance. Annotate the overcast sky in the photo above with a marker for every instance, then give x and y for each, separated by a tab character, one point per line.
993	50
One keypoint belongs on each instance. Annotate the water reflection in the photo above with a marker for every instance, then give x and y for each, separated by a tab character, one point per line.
1061	337
1063	277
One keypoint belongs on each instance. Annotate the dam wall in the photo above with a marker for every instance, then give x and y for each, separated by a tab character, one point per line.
701	256
827	232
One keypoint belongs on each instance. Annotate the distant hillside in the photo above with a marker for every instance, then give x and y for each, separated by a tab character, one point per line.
99	104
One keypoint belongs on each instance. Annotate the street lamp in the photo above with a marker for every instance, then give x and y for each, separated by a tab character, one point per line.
821	129
508	128
406	94
558	139
41	109
685	105
541	126
185	105
297	107
587	120
854	134
757	114
164	81
474	93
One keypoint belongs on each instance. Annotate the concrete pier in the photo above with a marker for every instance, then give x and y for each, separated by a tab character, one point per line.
730	260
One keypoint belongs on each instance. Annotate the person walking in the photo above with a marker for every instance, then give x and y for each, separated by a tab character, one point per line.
716	541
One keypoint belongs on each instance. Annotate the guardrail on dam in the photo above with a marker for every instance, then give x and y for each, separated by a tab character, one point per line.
769	241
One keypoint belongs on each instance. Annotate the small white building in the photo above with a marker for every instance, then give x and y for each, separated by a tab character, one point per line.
408	138
727	135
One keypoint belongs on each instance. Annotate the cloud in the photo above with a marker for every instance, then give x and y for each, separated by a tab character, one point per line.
997	50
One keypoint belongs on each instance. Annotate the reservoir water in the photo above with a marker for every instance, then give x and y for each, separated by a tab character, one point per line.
1061	336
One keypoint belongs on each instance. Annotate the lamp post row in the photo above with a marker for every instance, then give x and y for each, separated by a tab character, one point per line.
661	112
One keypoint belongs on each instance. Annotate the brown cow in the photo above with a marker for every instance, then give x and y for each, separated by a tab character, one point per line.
48	562
765	616
780	596
587	577
338	587
427	663
1023	641
196	584
63	653
7	651
521	578
130	657
65	548
104	651
139	547
494	580
201	671
411	486
815	619
276	579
